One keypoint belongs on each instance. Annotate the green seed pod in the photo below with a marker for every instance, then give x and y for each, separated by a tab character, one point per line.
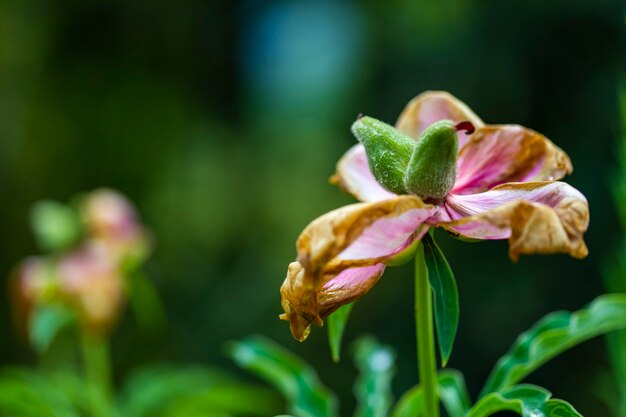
388	152
432	170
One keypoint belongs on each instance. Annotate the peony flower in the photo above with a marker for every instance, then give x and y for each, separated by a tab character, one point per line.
489	182
112	222
90	280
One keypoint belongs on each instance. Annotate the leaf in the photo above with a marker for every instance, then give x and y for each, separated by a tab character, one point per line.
45	325
294	378
452	392
410	403
227	400
553	335
56	226
168	390
27	393
375	363
446	297
336	323
526	400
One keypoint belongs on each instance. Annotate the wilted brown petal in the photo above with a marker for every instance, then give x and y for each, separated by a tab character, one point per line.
432	106
537	217
340	256
496	155
339	290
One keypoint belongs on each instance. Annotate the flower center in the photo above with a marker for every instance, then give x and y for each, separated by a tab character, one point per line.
402	165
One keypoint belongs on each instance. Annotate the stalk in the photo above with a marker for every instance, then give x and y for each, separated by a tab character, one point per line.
426	360
97	369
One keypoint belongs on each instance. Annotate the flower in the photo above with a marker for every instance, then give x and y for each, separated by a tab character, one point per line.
505	187
112	221
90	280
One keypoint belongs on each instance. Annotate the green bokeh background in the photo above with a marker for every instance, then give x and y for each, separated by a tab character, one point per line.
222	121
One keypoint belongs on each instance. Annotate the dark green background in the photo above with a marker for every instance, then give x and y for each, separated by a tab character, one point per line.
223	121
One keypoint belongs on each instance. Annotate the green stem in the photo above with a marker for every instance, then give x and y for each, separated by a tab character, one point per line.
97	368
426	359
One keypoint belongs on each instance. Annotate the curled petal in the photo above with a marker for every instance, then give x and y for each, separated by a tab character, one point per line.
353	175
339	290
360	234
496	155
432	106
337	253
537	217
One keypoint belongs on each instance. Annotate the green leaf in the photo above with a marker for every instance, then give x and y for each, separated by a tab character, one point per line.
46	323
446	297
294	378
452	392
526	400
336	323
183	391
410	403
553	335
227	400
375	363
27	393
56	226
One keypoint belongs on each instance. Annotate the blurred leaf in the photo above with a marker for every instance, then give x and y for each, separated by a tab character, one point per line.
45	325
452	392
294	378
336	323
553	335
26	393
375	363
525	400
227	399
175	391
446	296
146	304
55	225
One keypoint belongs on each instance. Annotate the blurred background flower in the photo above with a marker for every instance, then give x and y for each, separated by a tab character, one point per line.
223	120
87	270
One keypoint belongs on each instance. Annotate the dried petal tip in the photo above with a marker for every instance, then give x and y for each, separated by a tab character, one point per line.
467	126
359	116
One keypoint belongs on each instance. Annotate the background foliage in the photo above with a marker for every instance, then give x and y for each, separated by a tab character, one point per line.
223	120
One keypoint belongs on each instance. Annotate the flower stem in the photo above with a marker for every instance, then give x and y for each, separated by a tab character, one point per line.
97	368
426	359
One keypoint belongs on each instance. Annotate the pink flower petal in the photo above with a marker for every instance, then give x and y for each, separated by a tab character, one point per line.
500	154
347	239
536	217
388	236
354	177
432	106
